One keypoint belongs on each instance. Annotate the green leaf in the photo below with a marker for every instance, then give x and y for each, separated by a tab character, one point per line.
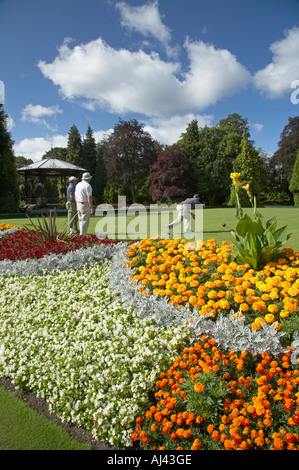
243	225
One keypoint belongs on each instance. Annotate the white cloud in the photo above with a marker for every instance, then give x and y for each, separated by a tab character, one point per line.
146	19
213	74
99	135
38	113
36	147
257	127
276	78
121	81
10	123
168	131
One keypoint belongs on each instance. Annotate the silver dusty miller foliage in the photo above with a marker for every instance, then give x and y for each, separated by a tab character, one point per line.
73	260
229	331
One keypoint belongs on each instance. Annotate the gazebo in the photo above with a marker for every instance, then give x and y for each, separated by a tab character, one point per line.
49	167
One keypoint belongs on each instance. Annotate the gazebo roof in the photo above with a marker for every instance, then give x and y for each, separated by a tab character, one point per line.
51	167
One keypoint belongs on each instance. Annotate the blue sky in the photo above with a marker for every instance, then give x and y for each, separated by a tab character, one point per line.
162	62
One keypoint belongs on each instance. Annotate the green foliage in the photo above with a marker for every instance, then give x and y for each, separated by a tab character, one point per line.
248	165
294	183
231	130
209	402
100	176
284	158
258	244
89	152
7	203
238	197
8	173
190	140
128	153
57	152
74	147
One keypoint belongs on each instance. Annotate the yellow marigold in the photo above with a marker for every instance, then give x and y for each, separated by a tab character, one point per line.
244	307
239	299
284	314
270	318
212	294
257	324
199	387
293	291
274	295
272	308
290	304
265	297
224	304
259	306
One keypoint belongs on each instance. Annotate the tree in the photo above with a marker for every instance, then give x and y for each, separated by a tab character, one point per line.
128	153
283	160
8	172
190	140
171	176
74	147
231	130
21	161
56	152
294	183
248	165
100	176
213	151
211	167
89	152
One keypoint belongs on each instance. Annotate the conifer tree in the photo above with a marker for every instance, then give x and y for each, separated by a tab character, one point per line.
294	183
8	173
100	175
89	152
248	165
74	147
190	140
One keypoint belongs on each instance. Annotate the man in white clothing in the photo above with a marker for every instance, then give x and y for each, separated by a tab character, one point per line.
184	214
83	197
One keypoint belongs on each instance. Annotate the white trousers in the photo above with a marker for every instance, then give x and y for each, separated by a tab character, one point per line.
183	214
83	216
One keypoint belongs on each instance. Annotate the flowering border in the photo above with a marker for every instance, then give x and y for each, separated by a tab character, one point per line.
229	332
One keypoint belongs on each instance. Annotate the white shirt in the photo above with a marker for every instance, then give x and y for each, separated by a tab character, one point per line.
83	190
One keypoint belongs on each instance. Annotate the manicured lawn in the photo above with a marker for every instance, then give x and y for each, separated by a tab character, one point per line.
22	428
217	223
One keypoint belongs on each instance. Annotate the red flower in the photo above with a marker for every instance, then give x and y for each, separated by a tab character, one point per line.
22	245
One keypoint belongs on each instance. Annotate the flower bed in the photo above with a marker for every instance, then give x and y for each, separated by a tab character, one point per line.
97	339
211	397
66	337
22	244
4	227
211	286
212	400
